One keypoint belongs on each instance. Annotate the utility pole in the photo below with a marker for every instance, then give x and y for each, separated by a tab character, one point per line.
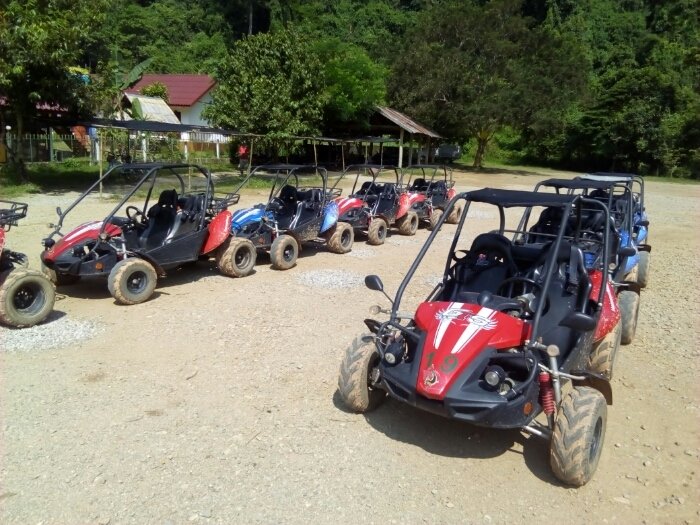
250	17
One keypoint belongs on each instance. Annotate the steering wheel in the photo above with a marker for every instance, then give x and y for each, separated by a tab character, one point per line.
133	213
519	279
276	204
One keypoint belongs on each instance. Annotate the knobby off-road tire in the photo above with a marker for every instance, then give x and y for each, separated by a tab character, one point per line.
408	224
579	432
455	214
284	252
434	218
376	233
342	238
629	309
132	281
58	279
602	358
236	257
26	297
643	269
353	381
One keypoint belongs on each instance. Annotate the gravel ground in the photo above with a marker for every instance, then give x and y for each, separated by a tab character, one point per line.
215	402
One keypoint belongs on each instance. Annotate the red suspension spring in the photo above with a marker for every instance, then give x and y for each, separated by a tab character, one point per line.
546	393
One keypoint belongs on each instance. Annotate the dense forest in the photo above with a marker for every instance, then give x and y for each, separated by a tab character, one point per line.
580	84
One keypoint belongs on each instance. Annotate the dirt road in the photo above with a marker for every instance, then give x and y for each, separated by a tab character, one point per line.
215	401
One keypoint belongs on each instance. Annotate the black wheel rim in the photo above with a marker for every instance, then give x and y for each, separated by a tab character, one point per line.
288	253
382	232
242	258
595	440
29	298
345	238
137	282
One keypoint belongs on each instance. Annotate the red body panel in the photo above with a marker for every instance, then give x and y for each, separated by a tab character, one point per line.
2	239
219	230
85	232
451	193
610	315
404	205
414	198
346	204
455	334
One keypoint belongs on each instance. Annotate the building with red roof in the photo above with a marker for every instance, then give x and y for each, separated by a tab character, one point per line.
188	95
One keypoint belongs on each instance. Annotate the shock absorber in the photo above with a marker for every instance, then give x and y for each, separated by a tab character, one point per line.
547	397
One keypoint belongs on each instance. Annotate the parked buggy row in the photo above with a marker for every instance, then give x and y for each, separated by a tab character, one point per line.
521	331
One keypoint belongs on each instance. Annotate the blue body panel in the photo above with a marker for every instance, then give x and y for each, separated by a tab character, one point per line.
630	262
330	216
244	217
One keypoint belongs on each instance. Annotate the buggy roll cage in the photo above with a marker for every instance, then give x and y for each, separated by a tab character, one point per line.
284	172
631	178
585	186
368	170
510	199
150	169
425	170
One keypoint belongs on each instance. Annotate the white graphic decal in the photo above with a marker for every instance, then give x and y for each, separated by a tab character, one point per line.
455	313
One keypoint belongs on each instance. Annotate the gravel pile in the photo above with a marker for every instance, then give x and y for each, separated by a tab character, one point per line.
58	331
362	253
331	279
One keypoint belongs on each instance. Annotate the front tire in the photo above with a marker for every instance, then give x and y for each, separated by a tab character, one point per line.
408	224
376	233
435	218
603	355
579	432
455	214
26	297
629	309
58	279
284	252
236	257
132	281
354	384
643	269
342	238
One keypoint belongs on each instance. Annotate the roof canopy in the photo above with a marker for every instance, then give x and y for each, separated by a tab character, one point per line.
579	184
147	125
515	198
152	108
405	122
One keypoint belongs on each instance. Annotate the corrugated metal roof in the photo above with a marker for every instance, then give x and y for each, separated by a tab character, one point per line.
183	90
154	109
405	122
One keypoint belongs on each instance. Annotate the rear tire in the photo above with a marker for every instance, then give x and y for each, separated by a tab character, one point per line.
284	252
603	355
342	238
236	257
629	309
354	378
455	214
376	233
26	297
643	269
408	224
579	432
435	218
132	281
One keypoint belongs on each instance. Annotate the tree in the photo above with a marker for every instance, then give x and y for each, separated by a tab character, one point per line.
39	42
269	84
469	68
157	89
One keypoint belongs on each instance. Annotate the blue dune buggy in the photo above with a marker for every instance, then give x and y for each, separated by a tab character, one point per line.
292	216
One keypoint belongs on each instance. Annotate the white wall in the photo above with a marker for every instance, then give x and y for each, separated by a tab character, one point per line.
193	114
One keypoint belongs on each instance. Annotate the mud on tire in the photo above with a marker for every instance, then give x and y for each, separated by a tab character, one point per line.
629	308
643	269
284	252
579	432
455	214
132	281
236	257
354	378
26	297
58	279
435	218
408	224
340	241
376	233
603	354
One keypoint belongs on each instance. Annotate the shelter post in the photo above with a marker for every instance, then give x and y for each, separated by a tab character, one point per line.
250	154
401	149
99	157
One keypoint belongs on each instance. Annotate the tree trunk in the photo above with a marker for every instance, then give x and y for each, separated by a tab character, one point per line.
481	142
16	153
250	17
